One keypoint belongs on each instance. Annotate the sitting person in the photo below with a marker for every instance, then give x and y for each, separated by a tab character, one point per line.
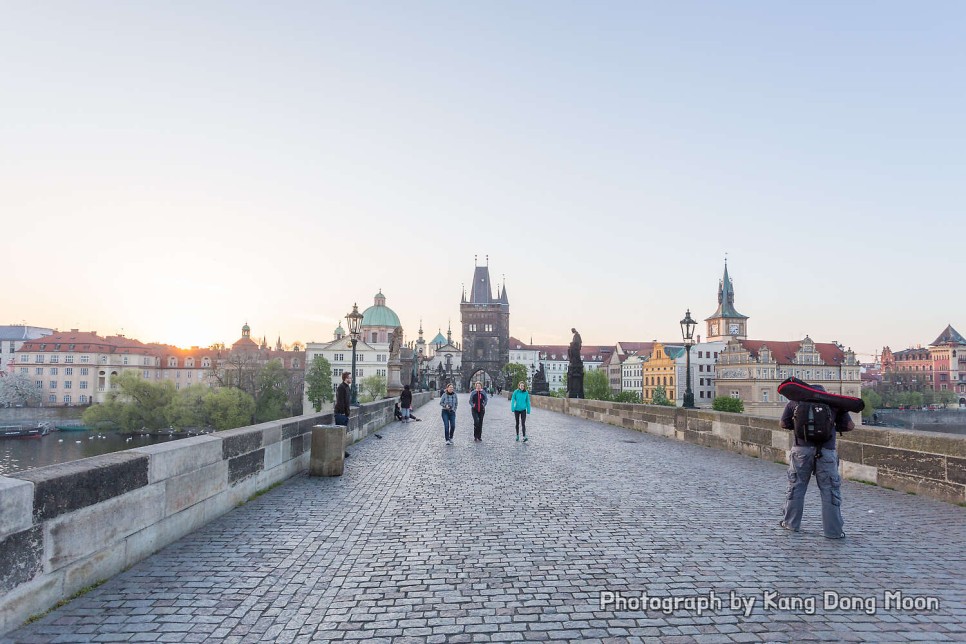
397	412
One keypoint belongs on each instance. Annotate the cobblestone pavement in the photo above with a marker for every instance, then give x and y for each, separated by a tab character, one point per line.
506	541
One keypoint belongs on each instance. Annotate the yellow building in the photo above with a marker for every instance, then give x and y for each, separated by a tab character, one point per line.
659	370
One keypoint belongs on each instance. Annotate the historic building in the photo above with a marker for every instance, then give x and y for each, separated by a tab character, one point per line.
486	329
554	359
12	338
752	370
726	323
938	367
613	364
443	361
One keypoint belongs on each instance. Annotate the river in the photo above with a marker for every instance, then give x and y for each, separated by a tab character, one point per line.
18	454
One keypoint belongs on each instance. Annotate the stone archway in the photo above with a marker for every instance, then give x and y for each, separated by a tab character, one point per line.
481	375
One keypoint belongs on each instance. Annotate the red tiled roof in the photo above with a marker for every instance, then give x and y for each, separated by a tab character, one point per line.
784	352
84	341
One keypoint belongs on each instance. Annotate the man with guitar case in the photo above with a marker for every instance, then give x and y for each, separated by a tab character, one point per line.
815	421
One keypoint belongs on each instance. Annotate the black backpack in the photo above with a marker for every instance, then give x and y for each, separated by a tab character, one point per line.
814	422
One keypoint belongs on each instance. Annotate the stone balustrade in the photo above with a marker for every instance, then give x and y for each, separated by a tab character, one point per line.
65	527
928	463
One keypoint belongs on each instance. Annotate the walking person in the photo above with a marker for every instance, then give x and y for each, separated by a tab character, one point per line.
449	403
478	400
818	457
341	409
520	406
405	403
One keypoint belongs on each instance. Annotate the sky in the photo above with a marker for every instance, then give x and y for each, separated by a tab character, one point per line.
173	170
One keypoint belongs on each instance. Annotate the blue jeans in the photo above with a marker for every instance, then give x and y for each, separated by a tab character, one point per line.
449	423
803	463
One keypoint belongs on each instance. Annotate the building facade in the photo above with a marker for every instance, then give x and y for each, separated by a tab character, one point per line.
485	320
554	360
704	358
939	367
12	338
726	323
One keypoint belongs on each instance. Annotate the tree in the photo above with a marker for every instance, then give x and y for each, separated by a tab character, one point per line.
596	385
228	408
659	397
271	399
727	403
318	383
945	397
911	399
628	397
187	407
872	401
517	373
372	388
135	403
18	389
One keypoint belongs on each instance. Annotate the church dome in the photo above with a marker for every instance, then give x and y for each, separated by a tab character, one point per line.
439	339
379	314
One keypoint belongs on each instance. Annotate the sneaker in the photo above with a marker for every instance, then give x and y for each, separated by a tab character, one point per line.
525	439
518	438
781	524
841	536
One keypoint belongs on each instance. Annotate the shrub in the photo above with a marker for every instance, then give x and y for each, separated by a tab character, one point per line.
727	403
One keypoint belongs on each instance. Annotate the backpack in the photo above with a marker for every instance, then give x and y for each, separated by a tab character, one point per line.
814	422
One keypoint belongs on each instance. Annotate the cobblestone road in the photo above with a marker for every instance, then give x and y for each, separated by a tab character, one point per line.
505	541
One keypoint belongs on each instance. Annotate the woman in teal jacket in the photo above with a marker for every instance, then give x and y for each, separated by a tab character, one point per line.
520	406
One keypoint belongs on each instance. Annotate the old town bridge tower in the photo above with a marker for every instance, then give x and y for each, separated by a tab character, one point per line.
486	329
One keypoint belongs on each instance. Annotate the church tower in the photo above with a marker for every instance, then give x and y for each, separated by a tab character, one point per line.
726	323
486	327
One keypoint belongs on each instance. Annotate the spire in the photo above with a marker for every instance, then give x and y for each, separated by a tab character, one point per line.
449	332
420	327
278	344
726	298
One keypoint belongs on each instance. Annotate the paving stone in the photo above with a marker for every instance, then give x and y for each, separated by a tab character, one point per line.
505	541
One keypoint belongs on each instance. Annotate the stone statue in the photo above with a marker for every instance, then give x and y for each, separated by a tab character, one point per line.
575	371
395	341
539	385
394	384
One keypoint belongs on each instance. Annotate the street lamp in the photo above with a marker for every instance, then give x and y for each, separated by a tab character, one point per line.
687	332
354	321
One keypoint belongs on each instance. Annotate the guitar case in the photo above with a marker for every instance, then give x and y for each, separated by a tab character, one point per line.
800	391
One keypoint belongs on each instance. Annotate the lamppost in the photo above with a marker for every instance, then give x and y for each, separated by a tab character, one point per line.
687	332
354	321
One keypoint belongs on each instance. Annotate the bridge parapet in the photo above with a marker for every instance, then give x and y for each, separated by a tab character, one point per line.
65	527
928	463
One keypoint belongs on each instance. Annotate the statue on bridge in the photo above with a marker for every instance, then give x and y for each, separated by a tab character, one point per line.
575	371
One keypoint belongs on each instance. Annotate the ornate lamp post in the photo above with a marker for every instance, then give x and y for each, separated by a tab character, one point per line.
687	332
354	321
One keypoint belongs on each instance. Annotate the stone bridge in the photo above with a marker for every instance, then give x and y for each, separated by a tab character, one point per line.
554	539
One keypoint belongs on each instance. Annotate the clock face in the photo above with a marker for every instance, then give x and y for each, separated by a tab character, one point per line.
714	328
733	329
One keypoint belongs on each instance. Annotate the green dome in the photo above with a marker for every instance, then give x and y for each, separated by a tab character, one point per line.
439	339
380	316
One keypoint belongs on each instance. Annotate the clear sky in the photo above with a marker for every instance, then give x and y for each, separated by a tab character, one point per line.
175	169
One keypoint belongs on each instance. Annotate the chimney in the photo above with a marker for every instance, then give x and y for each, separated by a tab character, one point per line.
73	330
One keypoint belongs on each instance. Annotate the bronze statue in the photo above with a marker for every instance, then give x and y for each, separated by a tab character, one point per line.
575	371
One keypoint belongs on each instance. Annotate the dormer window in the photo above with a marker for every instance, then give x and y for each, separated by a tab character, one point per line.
172	362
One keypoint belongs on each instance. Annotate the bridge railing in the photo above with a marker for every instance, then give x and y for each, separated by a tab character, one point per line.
932	464
65	527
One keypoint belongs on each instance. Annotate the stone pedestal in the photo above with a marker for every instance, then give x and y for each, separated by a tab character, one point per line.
394	385
328	451
575	379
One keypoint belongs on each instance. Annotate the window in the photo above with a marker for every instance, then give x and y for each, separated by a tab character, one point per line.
126	359
339	357
735	394
764	396
54	359
53	371
39	371
53	384
23	371
83	385
145	374
39	359
84	371
337	372
52	398
69	371
39	383
24	358
67	384
83	399
68	358
85	358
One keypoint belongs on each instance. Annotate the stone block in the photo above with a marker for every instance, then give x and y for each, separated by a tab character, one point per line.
774	455
188	489
756	435
146	542
73	536
29	599
275	453
242	491
243	440
59	489
869	436
782	439
952	492
101	565
167	460
290	430
218	505
857	472
956	470
272	434
849	451
750	449
21	557
929	442
761	423
905	462
731	431
16	505
698	424
299	445
241	467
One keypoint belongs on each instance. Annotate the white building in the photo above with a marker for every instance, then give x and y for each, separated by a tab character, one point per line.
704	357
555	361
632	375
12	338
443	360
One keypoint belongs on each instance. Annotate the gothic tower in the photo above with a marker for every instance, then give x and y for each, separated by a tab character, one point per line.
726	323
486	327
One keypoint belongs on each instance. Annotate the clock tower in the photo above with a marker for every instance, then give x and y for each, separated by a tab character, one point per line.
726	323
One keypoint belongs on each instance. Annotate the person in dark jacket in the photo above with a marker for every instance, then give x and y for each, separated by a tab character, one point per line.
823	461
342	400
405	403
478	400
449	402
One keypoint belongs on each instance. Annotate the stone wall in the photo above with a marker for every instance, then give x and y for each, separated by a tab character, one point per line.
67	526
928	463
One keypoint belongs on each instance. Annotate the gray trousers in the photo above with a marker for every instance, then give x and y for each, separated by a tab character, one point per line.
803	463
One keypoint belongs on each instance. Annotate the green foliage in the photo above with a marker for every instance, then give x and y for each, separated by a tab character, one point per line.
272	402
517	373
946	397
596	385
659	397
910	398
628	397
727	403
139	403
872	400
318	383
372	388
134	404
